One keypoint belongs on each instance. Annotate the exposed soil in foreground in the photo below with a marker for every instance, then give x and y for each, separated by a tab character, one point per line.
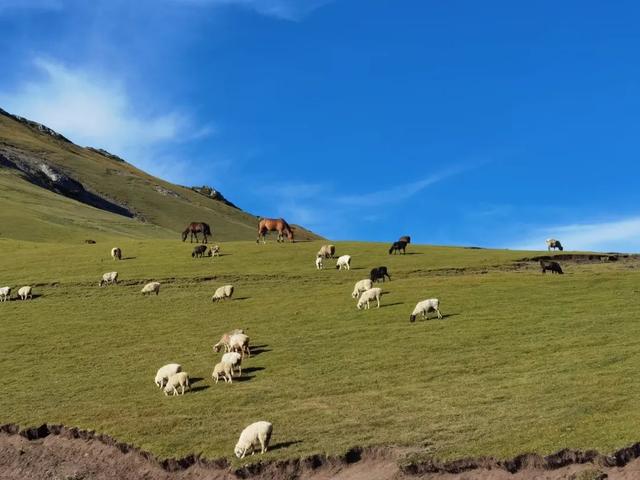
60	453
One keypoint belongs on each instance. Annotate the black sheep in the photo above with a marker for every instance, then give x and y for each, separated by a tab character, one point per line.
199	251
379	273
553	267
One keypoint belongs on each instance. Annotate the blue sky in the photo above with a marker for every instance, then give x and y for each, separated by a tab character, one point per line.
493	123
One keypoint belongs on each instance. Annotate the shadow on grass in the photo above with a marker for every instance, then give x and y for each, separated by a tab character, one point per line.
235	299
17	299
257	351
414	253
199	388
252	369
391	304
128	258
281	445
432	316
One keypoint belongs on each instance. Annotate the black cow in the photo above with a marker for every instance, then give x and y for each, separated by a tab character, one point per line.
397	247
553	267
379	273
199	251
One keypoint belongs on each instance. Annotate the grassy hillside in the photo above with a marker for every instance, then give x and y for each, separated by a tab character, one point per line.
150	199
521	362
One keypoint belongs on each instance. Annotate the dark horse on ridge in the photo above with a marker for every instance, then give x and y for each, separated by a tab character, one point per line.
194	228
274	224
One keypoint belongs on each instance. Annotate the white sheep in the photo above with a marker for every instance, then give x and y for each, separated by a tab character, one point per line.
234	359
344	261
151	287
25	292
361	286
165	372
224	340
180	379
116	253
424	307
5	294
553	244
327	251
369	295
258	433
223	369
109	278
319	264
215	251
223	293
239	342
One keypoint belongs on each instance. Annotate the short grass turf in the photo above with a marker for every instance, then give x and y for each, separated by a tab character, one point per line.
522	362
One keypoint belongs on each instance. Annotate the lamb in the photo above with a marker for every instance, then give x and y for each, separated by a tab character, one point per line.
180	379
25	293
165	372
258	433
327	251
361	286
379	273
319	264
109	279
223	369
224	340
239	342
116	253
344	261
424	307
398	246
5	294
215	251
223	293
553	267
235	360
552	243
199	251
150	288
369	295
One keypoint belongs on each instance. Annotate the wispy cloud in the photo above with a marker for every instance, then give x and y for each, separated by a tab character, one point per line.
622	235
96	111
293	10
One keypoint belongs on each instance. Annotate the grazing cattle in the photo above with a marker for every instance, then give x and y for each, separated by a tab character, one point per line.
553	267
405	238
199	251
379	274
553	244
397	247
194	228
279	225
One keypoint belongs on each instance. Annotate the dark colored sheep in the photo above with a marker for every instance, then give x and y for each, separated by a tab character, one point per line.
553	267
199	251
397	247
379	273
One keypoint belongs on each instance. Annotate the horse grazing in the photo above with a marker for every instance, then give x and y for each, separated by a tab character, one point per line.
398	246
274	224
197	227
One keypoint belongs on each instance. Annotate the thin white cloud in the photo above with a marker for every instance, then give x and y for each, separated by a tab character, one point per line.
621	235
293	10
96	111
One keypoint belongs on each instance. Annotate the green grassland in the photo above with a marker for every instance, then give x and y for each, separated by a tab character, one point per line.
521	362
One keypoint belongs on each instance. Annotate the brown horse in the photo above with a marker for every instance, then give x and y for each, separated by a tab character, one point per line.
194	228
274	224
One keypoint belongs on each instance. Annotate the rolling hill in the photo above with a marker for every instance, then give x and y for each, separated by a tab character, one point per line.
55	190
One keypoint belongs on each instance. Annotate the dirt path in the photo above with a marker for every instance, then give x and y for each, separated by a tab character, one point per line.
59	453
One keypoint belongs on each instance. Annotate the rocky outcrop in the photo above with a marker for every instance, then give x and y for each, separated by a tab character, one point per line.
213	194
36	126
104	153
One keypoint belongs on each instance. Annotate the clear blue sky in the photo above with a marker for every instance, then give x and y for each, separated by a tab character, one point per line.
495	123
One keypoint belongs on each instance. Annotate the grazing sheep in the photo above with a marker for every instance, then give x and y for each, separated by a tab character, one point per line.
5	294
344	261
224	340
165	372
215	251
109	278
116	253
361	286
397	247
319	264
379	273
258	433
239	342
25	293
369	295
180	379
90	242
327	251
405	238
150	288
223	293
223	369
553	244
424	307
553	267
234	359
199	251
